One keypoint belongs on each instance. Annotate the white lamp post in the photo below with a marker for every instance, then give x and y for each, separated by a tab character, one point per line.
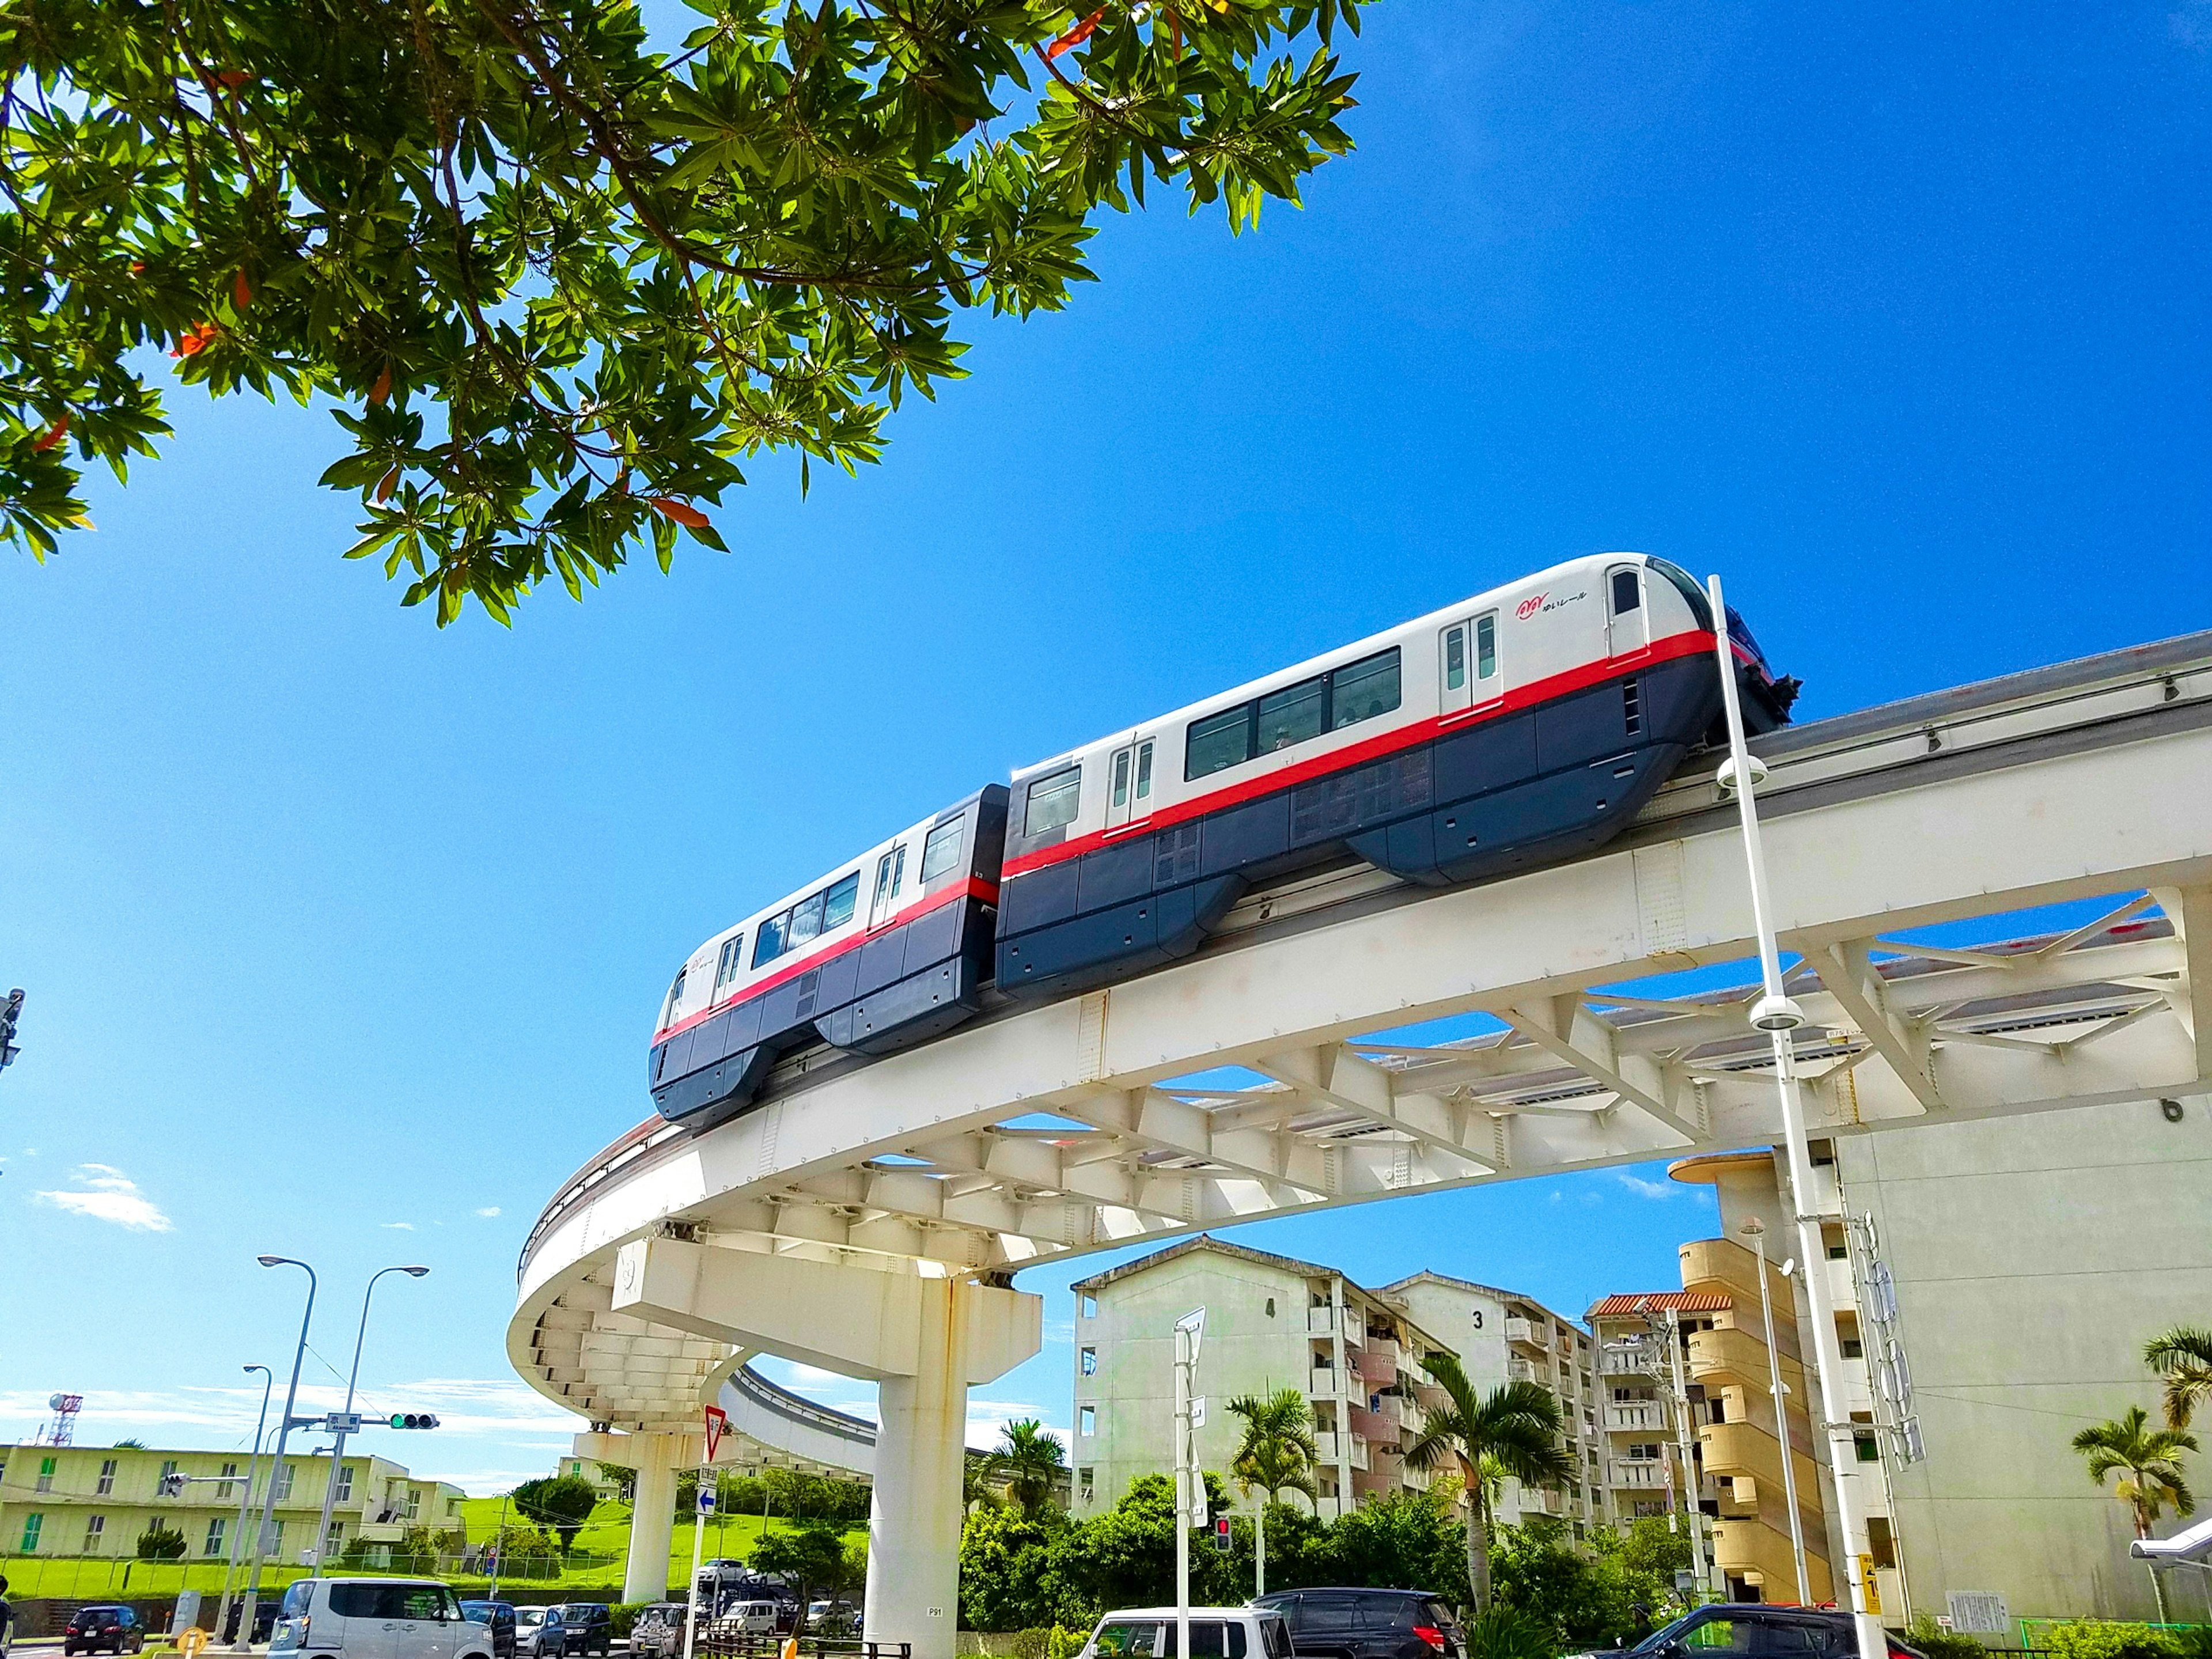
1778	1016
253	1467
275	1458
1755	1231
338	1439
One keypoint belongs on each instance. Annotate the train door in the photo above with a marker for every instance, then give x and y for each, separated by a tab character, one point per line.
890	876
1627	618
1469	671
1129	783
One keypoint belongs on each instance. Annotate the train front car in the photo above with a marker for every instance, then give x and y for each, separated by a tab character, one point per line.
889	950
1525	725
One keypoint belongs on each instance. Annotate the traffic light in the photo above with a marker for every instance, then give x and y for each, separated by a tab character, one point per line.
171	1486
1221	1535
413	1421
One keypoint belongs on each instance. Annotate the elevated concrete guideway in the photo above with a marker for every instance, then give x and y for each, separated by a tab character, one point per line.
866	1217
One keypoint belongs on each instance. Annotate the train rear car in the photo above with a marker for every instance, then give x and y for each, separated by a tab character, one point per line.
1526	725
888	950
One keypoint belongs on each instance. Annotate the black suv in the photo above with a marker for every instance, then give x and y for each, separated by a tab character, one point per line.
1757	1631
1368	1624
589	1625
115	1628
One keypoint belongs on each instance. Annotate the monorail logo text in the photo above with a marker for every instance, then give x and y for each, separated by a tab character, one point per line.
1529	606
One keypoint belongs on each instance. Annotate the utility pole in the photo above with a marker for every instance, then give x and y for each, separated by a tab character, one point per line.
1190	1486
1685	1444
704	1506
1756	1230
277	1458
338	1434
244	1499
1778	1017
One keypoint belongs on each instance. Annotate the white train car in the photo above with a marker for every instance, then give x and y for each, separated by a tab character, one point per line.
887	951
1520	725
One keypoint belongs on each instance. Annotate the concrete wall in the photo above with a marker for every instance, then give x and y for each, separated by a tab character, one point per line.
2033	1257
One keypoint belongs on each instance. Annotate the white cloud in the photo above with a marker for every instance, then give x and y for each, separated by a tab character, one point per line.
400	1226
489	1212
1643	1188
106	1194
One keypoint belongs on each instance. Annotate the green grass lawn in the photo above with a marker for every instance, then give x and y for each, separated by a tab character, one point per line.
596	1574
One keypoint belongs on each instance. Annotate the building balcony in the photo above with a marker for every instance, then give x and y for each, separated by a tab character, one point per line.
1371	1425
1621	1364
1322	1383
1377	1362
1730	1354
1518	1369
1371	1486
1529	1333
1642	1473
1330	1508
1757	1554
1338	1448
1322	1322
1648	1417
1740	1448
1723	1266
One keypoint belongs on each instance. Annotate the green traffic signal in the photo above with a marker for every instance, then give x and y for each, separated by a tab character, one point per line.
412	1420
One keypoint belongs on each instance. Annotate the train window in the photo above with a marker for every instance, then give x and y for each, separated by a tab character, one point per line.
838	902
1121	778
1627	592
890	871
770	942
941	852
1292	715
731	963
1144	768
1218	741
1052	801
1455	658
806	922
1486	646
1363	690
675	996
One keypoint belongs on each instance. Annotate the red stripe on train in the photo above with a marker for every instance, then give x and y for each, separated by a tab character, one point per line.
975	887
1405	736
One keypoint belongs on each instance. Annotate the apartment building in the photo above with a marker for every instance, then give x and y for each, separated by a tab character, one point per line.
1501	1335
90	1501
1357	1353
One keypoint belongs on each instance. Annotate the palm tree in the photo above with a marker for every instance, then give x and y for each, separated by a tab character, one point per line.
977	1490
2183	1358
2150	1462
1029	1459
1276	1455
1518	1423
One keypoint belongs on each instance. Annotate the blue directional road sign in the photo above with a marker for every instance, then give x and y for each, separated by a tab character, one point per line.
707	1483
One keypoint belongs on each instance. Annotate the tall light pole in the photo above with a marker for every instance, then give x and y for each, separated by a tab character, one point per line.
1778	1016
253	1467
1686	1440
1755	1231
1190	1486
277	1458
338	1439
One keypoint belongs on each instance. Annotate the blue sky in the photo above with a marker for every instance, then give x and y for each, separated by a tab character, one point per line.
343	936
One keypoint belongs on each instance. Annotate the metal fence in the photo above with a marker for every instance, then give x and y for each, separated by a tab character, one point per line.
731	1645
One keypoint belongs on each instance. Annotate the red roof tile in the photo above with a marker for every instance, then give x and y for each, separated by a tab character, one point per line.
1659	1301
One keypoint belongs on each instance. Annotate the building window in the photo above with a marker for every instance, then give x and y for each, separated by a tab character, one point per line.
414	1503
284	1479
106	1484
1853	1349
1086	1477
338	1536
45	1475
169	1468
1271	1307
1087	1362
222	1491
212	1544
1086	1422
1867	1448
1881	1544
32	1524
1090	1307
95	1526
275	1539
346	1483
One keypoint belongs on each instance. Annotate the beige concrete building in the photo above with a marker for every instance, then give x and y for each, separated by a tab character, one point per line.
94	1501
1272	1321
1500	1335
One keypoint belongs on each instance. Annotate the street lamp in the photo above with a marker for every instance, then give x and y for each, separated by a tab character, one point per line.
1778	1017
338	1438
277	1458
253	1467
1755	1231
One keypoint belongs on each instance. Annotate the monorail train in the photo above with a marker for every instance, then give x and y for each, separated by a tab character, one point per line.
1523	726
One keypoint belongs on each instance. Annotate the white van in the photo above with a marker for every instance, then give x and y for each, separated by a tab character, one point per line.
1215	1633
748	1619
376	1619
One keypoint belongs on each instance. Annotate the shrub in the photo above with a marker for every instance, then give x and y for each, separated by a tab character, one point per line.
1932	1639
2108	1638
621	1618
1507	1633
159	1543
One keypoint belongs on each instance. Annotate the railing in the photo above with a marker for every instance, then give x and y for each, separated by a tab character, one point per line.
1642	1472
1529	1331
775	1397
729	1645
1521	1370
1618	1418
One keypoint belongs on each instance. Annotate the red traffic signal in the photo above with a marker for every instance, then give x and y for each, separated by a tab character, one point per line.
1221	1535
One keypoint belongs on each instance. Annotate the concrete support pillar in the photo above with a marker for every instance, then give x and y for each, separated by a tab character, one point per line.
652	1520
913	1520
655	1458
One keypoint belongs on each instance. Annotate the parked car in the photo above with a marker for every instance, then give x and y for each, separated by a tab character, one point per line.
658	1631
1249	1632
749	1618
104	1627
1759	1630
1346	1622
377	1619
590	1626
500	1616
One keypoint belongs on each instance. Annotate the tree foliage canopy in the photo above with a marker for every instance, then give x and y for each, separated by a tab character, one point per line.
563	1503
560	284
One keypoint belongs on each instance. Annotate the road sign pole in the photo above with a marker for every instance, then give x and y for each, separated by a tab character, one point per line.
702	1507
